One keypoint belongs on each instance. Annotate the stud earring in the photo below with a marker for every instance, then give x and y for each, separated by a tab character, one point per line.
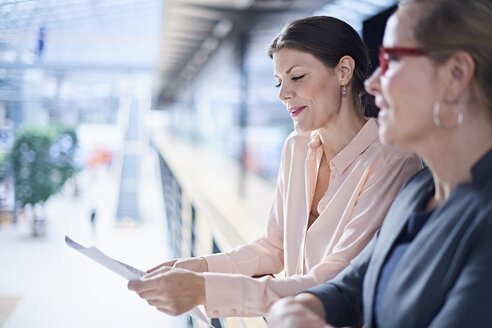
344	91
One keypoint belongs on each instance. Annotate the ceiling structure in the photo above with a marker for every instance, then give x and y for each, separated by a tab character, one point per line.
90	50
86	32
124	34
193	29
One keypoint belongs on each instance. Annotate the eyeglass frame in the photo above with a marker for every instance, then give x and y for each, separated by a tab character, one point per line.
399	51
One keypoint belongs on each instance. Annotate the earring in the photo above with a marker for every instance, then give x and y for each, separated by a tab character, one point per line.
458	112
344	91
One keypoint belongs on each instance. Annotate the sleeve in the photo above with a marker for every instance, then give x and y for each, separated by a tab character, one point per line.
262	256
224	281
266	254
342	296
228	295
468	303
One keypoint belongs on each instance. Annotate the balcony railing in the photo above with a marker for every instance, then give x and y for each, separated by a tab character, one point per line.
205	211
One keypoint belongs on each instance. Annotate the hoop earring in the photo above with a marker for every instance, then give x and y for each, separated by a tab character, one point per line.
437	119
344	91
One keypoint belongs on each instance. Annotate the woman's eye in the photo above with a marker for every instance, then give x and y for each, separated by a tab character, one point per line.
278	85
295	78
393	58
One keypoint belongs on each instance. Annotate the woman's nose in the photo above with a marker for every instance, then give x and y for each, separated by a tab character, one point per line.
285	92
372	84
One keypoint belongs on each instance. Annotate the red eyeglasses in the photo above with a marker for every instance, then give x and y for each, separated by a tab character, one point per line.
386	52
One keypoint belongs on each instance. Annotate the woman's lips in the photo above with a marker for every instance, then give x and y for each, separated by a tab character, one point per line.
294	111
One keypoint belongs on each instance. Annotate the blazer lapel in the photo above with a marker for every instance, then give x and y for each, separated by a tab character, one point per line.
395	221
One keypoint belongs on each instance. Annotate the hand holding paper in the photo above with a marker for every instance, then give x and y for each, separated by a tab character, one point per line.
171	290
126	271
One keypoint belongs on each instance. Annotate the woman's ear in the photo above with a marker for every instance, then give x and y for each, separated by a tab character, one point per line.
459	70
345	70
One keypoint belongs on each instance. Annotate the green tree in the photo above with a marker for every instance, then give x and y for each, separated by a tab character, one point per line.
42	160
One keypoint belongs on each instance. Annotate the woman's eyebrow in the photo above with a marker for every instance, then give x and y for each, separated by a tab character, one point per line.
288	71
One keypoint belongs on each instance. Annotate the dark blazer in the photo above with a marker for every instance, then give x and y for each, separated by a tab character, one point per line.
444	279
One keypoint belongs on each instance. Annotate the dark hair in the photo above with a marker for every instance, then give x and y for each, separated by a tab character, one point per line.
329	39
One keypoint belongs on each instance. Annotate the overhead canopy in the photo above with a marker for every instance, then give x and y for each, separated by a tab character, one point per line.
193	29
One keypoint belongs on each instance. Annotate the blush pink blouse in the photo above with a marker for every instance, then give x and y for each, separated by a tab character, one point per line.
365	177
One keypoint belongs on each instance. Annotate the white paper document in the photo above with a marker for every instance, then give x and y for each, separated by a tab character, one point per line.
126	271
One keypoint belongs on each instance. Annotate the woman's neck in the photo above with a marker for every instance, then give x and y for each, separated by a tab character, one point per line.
339	132
451	155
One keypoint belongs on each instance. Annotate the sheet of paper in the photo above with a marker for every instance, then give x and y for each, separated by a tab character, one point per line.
126	271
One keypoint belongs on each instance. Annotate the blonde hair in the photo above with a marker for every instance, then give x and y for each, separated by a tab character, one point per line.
447	26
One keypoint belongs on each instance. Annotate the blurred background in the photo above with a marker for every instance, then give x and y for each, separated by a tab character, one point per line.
150	129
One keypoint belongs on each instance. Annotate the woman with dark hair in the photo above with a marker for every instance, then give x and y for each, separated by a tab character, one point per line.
335	184
329	39
431	263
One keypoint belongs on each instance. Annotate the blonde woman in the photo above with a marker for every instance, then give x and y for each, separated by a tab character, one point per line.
431	264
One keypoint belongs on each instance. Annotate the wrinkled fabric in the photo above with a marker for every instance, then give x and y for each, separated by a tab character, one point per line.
365	177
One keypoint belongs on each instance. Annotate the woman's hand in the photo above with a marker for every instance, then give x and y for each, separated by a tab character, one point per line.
289	312
162	265
195	264
171	290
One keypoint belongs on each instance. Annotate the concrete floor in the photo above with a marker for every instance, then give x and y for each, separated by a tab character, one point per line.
44	283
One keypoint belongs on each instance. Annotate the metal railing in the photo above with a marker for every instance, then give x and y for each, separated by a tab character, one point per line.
173	203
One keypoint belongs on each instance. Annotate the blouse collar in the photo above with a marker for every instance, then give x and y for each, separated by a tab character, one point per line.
363	139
